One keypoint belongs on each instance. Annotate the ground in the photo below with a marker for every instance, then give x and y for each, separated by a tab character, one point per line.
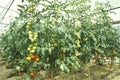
95	72
3	72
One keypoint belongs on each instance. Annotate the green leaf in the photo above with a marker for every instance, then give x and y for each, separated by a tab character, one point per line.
22	0
38	49
20	6
42	50
49	49
62	67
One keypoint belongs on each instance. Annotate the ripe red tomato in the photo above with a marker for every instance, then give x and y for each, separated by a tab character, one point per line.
37	59
37	56
32	74
17	60
62	53
33	58
49	75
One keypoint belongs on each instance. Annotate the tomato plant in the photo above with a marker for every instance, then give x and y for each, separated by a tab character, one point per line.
59	36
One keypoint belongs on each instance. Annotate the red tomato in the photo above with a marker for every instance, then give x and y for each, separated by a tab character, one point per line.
37	59
49	75
32	74
62	53
37	56
33	58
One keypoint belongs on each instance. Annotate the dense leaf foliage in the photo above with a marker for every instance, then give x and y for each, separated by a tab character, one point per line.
62	34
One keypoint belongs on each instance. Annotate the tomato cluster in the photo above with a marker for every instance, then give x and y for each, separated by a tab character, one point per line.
33	58
32	36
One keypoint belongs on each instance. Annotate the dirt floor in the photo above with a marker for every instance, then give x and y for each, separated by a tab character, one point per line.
93	73
4	75
3	71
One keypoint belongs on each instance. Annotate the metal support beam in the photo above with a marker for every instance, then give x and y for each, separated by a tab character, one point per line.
116	22
9	9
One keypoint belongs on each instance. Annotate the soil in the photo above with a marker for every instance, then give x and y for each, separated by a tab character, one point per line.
3	71
4	75
95	72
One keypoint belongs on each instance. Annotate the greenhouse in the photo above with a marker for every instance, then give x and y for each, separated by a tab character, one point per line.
59	40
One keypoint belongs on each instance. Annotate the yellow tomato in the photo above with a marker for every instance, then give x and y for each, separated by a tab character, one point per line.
53	35
35	38
30	35
96	47
55	44
29	32
29	9
35	35
77	34
77	53
27	26
35	44
29	23
28	48
34	48
77	23
78	45
28	58
30	45
32	51
32	40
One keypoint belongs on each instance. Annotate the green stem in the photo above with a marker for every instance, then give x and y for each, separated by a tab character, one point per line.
73	76
89	74
119	62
